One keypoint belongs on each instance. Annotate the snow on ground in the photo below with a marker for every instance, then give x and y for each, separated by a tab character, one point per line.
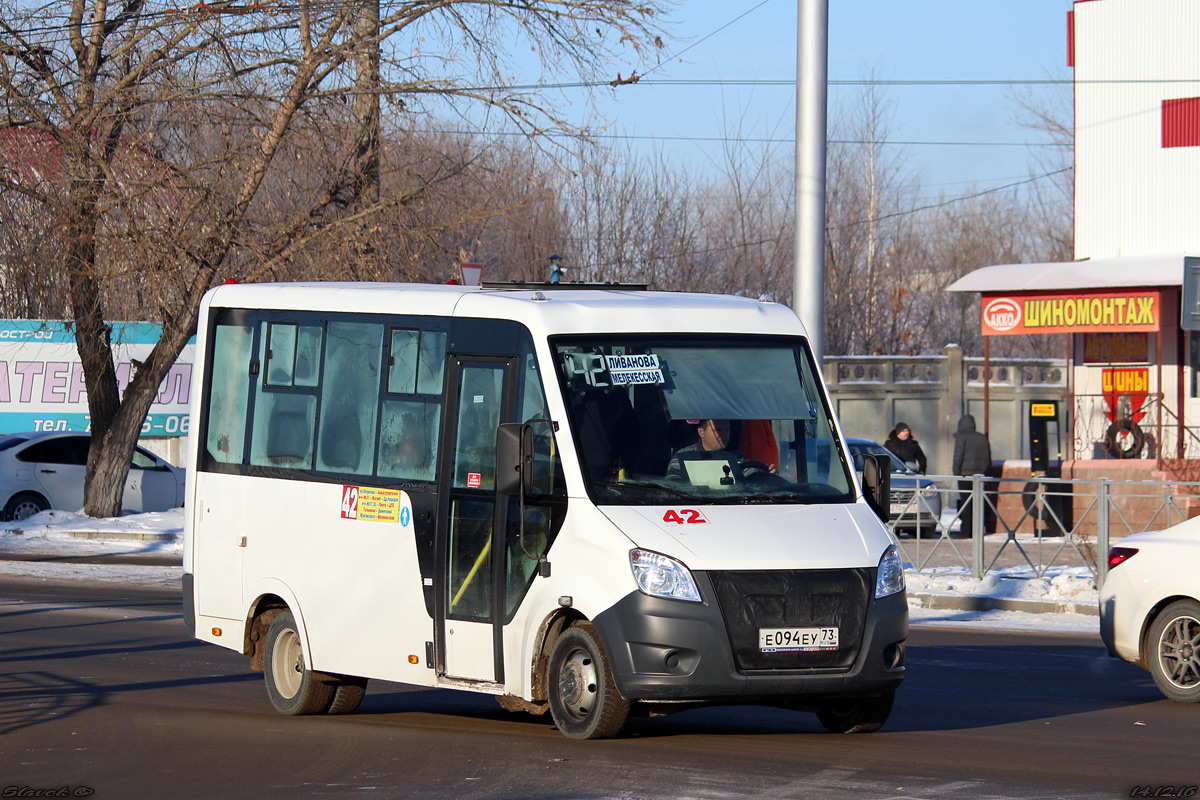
1059	584
49	535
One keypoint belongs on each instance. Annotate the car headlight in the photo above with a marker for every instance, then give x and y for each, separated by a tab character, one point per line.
891	573
929	491
660	576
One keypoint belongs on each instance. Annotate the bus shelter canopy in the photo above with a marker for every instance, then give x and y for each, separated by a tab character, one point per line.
1100	273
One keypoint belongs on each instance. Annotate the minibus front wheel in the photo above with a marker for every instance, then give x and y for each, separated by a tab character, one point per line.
584	700
856	714
294	689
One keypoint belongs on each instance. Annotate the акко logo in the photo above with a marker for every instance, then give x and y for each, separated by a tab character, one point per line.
1002	314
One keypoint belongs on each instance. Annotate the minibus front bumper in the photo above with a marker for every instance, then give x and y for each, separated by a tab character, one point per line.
676	651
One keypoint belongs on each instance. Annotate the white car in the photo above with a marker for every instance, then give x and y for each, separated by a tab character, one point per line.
45	470
1150	607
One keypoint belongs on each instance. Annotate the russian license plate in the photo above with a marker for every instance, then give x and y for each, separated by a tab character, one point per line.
796	640
903	508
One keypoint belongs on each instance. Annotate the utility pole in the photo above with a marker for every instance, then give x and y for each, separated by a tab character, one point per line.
812	87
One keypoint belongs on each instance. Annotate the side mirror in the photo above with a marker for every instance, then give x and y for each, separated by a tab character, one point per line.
877	484
514	458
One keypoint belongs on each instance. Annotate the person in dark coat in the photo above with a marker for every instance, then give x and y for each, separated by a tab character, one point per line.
972	456
900	440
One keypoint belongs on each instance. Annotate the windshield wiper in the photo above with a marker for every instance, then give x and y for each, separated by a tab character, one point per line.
766	497
643	485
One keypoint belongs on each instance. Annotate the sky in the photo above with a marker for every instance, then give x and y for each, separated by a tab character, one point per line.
735	41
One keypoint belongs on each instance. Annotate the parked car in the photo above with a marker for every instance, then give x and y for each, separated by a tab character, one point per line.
45	470
916	502
1150	607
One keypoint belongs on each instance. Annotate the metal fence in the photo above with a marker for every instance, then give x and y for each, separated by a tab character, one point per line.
1152	430
985	523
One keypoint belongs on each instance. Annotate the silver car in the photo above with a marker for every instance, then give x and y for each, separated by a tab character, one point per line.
46	470
916	502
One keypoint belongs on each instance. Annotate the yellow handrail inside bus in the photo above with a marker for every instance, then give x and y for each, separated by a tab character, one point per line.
483	554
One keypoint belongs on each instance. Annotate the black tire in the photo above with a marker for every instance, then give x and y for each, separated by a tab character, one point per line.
856	715
584	700
293	688
347	695
1173	651
24	505
1124	439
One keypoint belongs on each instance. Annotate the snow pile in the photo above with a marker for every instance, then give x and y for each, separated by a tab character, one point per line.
1074	584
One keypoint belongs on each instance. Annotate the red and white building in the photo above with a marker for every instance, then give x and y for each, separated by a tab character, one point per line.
1125	300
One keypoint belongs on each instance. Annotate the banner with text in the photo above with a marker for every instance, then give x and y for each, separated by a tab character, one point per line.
1133	311
41	377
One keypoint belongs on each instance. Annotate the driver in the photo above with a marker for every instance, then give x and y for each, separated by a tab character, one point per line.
713	435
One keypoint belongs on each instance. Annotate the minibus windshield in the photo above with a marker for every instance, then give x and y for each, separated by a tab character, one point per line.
706	419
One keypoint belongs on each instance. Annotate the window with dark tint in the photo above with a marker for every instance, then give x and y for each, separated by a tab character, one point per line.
338	394
71	450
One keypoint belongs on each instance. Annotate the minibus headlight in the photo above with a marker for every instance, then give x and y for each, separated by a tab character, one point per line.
659	576
891	573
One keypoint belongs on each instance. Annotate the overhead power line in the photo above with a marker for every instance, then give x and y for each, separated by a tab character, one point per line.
952	200
743	139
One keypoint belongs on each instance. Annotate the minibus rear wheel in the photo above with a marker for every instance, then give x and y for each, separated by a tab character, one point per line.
856	715
584	700
348	694
294	689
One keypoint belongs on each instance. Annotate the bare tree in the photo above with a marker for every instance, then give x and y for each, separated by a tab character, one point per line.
167	128
869	226
1052	119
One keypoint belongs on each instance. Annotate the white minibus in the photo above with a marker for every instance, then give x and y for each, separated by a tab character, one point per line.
583	499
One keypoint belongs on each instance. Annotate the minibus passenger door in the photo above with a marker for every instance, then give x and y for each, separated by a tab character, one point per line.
470	580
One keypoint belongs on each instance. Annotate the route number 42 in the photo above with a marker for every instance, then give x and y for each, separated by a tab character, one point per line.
349	502
683	516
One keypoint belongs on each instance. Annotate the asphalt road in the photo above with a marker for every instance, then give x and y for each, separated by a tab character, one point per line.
103	693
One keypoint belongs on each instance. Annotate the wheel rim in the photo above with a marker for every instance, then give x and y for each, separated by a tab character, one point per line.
577	683
1179	652
287	664
26	509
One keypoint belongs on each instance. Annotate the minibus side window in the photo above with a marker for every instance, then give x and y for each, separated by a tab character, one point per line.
284	409
408	432
349	398
408	426
229	392
402	365
281	354
432	366
478	417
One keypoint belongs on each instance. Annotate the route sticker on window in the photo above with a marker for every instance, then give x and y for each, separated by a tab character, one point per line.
474	479
372	504
627	369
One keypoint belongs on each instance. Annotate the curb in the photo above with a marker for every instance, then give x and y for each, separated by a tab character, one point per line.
124	536
952	602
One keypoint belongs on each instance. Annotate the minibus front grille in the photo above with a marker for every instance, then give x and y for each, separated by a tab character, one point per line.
753	600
